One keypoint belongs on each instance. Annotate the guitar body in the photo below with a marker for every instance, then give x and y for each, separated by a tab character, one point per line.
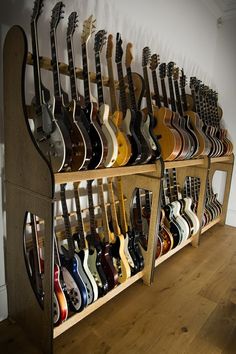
72	266
108	266
193	217
204	142
84	254
146	150
165	235
130	253
60	301
185	128
109	134
49	137
159	247
181	219
85	279
173	225
193	137
185	151
74	296
80	121
128	127
94	131
56	310
122	264
124	146
59	114
170	140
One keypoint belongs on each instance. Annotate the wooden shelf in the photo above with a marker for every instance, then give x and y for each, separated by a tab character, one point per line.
66	177
212	223
172	252
229	158
95	305
184	163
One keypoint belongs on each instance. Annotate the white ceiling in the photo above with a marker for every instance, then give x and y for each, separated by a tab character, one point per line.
222	8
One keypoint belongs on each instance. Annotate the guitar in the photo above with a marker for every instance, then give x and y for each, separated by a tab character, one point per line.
118	248
131	247
164	233
146	149
177	121
70	260
47	133
107	262
64	112
97	137
124	146
150	122
128	116
185	118
95	248
197	124
78	119
170	139
188	202
100	39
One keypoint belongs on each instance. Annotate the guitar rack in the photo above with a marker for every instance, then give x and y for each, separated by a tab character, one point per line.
30	186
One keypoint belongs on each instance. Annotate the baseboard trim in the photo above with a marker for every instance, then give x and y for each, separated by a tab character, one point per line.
3	303
231	217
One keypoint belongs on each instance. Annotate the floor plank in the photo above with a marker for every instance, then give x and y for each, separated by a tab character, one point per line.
190	308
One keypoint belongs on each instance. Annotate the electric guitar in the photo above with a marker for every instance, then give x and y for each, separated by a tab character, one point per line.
78	119
107	262
69	259
95	248
188	208
97	137
118	248
124	146
100	39
47	133
170	139
128	116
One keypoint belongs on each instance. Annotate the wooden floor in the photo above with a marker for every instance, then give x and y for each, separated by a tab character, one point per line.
190	308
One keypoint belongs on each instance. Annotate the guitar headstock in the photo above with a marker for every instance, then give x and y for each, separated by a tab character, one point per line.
162	71
88	29
119	50
129	55
72	23
182	80
110	46
154	62
176	73
193	82
100	40
146	56
57	15
37	9
170	68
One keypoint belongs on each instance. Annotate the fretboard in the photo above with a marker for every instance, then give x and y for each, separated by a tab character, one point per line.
156	89
79	215
172	95
164	93
184	99
112	88
99	79
139	209
131	89
91	207
123	220
104	210
113	208
178	98
147	89
36	64
73	85
123	99
86	75
55	66
65	215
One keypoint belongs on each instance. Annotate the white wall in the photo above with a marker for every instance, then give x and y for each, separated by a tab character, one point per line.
184	31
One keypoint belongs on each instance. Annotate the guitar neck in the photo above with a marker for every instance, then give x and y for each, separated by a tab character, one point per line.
123	220
139	209
91	207
148	92
174	184
178	98
123	98
164	93
79	215
104	210
99	79
156	89
113	208
87	95
55	66
65	214
172	95
112	87
36	64
131	89
184	99
73	82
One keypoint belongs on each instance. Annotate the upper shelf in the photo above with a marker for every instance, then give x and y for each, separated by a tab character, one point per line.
229	159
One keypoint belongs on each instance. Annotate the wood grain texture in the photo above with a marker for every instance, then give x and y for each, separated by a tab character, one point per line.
190	308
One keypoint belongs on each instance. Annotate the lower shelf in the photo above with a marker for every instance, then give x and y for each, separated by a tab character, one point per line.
172	252
94	306
212	223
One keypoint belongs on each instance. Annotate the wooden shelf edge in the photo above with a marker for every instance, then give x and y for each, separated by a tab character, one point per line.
212	223
184	163
66	177
95	305
172	252
229	159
